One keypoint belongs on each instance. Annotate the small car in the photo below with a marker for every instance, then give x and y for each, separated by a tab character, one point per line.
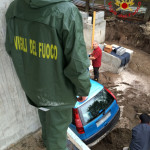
94	118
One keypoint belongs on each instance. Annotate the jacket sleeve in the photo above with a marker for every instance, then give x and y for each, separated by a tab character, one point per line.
136	141
75	54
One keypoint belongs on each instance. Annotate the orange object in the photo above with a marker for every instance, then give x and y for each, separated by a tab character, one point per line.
108	48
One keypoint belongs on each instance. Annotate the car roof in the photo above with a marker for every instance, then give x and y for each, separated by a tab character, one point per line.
95	88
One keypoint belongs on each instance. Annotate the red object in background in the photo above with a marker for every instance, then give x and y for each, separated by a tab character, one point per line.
97	53
124	5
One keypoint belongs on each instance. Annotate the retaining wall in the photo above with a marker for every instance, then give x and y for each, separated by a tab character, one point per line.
17	117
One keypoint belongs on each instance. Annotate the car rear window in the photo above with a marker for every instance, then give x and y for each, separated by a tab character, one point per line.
95	106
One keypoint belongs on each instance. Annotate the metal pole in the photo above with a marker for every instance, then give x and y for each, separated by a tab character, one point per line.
93	33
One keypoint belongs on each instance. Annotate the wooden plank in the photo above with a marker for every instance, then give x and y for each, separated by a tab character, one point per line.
76	140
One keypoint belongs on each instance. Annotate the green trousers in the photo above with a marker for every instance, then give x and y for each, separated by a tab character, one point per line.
54	128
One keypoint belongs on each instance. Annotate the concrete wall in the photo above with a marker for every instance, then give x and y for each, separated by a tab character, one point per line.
100	28
17	117
111	63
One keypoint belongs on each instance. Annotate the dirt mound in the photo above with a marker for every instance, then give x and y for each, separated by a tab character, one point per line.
116	140
146	28
123	32
32	141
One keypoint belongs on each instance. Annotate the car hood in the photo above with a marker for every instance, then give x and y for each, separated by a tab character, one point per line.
42	3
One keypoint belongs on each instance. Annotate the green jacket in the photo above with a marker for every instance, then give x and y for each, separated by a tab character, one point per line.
45	41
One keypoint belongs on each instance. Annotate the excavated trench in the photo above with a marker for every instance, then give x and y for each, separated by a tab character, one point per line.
131	87
130	34
132	92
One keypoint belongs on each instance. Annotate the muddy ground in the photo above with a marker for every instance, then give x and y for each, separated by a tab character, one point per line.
131	88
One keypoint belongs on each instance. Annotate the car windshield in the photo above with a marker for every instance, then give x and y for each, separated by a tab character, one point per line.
95	106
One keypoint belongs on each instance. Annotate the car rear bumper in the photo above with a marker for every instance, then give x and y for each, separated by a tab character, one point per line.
102	133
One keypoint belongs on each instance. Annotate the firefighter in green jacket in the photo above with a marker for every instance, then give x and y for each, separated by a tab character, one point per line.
45	41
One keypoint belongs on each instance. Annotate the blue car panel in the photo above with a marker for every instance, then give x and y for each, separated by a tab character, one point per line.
95	88
92	127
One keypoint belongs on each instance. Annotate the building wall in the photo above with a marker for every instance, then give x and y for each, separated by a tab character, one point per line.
17	117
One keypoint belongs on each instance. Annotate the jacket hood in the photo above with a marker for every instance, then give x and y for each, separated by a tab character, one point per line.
42	3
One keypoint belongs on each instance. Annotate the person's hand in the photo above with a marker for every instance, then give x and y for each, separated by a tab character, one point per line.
81	98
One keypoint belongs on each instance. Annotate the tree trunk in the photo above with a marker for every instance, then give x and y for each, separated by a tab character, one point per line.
87	6
105	3
147	13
